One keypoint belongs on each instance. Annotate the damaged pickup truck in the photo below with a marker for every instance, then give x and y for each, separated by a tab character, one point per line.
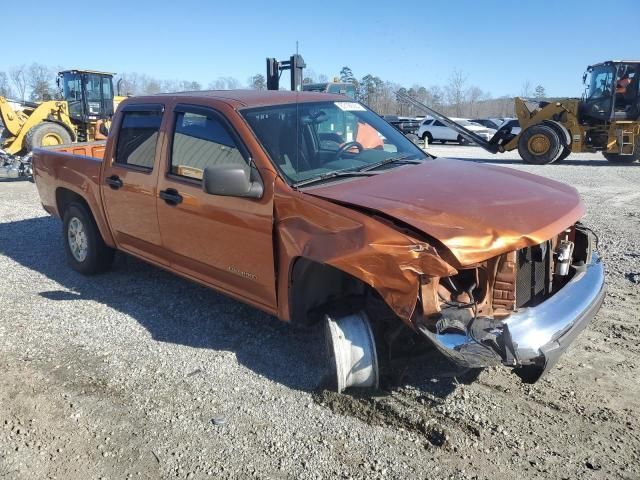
312	208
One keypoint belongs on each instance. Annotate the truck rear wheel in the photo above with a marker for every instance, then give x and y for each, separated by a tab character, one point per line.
46	134
540	145
86	251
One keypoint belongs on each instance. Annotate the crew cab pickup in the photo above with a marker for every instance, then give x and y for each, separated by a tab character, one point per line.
311	207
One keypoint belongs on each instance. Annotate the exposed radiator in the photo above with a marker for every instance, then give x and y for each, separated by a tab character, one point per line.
533	274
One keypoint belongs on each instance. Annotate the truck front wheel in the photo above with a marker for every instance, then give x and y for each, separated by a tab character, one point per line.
351	352
86	251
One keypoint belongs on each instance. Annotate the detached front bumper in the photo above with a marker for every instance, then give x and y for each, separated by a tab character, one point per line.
532	338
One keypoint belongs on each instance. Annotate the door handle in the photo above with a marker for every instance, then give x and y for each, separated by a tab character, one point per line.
171	196
114	182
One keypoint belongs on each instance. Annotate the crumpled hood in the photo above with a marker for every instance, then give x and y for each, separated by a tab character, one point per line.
477	211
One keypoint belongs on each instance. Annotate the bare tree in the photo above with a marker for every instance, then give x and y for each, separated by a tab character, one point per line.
5	88
40	82
18	77
151	86
225	83
455	91
257	82
474	95
526	89
129	83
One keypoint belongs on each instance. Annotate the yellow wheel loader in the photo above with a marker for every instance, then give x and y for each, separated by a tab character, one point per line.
606	119
83	114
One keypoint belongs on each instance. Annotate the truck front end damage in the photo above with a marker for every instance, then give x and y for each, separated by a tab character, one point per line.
522	309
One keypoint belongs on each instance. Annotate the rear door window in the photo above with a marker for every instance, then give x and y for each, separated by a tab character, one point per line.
138	137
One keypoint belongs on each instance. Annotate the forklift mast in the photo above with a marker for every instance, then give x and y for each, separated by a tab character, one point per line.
275	68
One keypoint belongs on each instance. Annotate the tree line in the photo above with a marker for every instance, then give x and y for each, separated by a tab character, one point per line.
457	98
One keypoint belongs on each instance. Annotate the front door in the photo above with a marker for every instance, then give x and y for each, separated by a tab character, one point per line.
131	177
220	240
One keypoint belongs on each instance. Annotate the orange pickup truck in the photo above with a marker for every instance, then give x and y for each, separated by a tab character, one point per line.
312	208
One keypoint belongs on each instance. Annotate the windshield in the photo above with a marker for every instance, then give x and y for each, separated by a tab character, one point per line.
307	140
600	82
71	86
466	123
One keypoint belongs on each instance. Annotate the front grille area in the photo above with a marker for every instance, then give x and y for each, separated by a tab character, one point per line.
533	274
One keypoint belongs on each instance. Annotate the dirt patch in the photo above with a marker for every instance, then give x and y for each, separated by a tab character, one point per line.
382	411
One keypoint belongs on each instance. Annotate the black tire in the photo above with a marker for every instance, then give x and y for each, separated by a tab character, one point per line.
98	256
620	159
427	137
540	145
566	151
462	141
46	134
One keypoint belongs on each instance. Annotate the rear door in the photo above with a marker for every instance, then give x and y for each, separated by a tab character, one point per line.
223	241
130	181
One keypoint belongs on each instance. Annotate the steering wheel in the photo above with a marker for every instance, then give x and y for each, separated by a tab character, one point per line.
348	146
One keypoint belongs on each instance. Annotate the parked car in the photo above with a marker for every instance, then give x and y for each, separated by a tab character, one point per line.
312	208
408	126
492	123
496	123
434	130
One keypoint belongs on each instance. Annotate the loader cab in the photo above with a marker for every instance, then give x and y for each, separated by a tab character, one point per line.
89	94
611	92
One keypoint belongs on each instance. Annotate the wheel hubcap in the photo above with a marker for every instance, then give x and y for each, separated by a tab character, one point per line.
51	139
77	238
539	144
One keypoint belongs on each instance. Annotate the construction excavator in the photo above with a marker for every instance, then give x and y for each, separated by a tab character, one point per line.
83	114
606	119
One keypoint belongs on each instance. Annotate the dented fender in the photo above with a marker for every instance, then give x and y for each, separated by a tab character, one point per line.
386	259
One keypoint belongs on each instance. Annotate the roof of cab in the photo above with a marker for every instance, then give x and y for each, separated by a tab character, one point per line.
249	98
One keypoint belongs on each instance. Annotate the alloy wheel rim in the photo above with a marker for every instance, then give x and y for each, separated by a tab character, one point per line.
77	238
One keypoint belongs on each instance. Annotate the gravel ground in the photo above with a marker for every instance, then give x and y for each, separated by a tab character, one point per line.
139	374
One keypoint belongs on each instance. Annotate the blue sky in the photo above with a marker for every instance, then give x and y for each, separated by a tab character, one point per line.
498	44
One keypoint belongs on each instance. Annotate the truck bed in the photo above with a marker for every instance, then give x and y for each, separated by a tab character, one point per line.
85	149
63	169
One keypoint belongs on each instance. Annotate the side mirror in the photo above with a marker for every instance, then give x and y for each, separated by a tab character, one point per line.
231	181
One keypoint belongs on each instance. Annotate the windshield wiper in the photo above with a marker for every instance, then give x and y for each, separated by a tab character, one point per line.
387	161
328	175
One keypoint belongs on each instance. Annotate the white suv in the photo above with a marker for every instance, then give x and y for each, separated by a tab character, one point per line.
434	130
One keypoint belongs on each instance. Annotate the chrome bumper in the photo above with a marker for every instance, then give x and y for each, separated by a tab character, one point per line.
533	337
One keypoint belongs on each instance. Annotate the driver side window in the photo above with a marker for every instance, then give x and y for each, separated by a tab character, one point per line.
201	141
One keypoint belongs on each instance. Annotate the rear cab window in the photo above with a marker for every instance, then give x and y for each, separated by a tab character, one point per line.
201	139
138	136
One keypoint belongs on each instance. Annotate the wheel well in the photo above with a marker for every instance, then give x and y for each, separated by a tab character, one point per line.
314	285
64	197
